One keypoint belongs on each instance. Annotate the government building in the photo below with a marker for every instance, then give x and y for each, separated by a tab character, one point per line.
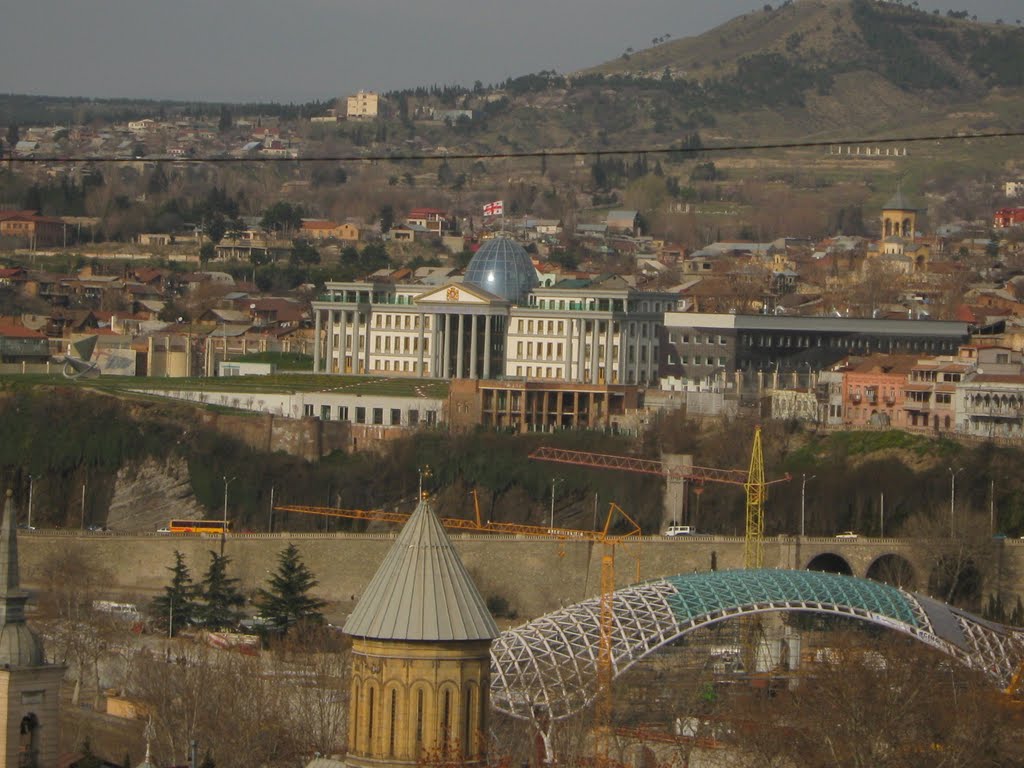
496	323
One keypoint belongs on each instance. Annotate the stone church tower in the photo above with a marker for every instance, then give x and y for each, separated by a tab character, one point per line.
29	687
421	637
899	217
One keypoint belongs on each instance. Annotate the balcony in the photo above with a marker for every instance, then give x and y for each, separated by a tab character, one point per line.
855	398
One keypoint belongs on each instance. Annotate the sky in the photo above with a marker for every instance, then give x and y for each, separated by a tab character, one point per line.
301	50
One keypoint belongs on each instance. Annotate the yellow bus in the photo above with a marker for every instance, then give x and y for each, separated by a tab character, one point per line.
199	526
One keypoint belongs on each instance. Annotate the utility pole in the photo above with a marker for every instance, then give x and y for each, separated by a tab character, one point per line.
83	505
554	482
881	517
270	523
224	527
952	498
803	488
30	481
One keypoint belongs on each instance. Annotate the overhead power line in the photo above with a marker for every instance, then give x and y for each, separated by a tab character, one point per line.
540	153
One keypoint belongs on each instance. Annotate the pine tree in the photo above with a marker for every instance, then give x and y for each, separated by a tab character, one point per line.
176	607
287	601
220	595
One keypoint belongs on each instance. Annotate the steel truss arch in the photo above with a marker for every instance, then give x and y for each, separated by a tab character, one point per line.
549	665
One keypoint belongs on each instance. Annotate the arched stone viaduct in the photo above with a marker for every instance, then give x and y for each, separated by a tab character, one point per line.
533	576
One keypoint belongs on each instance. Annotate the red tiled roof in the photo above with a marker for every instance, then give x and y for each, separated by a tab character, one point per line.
19	332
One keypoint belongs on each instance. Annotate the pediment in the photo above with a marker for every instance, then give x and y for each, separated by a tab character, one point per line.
459	293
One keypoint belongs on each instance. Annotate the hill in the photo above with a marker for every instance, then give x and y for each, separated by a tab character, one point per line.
819	68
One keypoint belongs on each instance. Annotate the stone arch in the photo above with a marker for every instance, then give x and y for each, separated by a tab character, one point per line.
830	562
894	570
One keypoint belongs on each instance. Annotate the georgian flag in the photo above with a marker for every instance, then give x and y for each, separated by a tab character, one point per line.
497	208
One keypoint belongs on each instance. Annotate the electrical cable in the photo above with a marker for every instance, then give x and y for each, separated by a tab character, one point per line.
534	154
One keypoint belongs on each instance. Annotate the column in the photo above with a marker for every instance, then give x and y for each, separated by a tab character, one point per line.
329	367
472	346
355	340
419	360
366	343
342	340
435	345
636	355
444	345
608	353
593	352
460	345
567	358
316	344
579	351
487	346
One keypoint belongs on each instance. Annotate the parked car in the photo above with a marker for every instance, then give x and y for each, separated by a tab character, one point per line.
680	530
846	535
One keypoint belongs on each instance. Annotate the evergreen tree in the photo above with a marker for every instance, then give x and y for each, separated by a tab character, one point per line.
287	602
221	597
176	607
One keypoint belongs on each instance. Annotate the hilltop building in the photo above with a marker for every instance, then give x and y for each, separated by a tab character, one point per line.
362	104
29	687
421	637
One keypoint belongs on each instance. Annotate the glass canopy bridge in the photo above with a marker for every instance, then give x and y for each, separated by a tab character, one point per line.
551	662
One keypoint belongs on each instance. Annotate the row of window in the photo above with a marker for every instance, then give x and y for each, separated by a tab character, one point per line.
402	344
697	338
844	342
703	360
359	414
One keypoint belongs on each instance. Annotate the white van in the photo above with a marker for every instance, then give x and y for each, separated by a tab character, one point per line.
680	530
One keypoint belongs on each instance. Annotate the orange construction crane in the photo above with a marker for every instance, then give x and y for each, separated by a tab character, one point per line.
603	536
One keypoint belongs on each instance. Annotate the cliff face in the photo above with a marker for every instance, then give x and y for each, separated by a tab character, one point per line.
147	494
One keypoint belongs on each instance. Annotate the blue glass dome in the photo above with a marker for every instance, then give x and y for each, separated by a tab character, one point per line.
502	267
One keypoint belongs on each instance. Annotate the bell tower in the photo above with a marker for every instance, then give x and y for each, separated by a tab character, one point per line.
29	687
899	217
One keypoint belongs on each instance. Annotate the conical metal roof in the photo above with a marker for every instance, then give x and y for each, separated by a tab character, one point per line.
422	590
899	202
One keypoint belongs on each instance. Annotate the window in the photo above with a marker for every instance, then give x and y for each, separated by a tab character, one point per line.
307	409
396	417
342	413
360	415
378	416
325	412
414	417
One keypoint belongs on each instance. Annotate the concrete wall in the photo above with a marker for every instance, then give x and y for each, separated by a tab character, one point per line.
533	575
308	438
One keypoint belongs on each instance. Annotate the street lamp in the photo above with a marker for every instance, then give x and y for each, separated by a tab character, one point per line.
423	472
224	526
554	481
31	479
952	495
803	488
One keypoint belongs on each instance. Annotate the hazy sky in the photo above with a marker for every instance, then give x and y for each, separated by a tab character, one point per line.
298	50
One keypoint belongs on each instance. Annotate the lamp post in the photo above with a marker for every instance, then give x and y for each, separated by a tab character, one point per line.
803	488
31	479
554	481
423	472
952	496
224	527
